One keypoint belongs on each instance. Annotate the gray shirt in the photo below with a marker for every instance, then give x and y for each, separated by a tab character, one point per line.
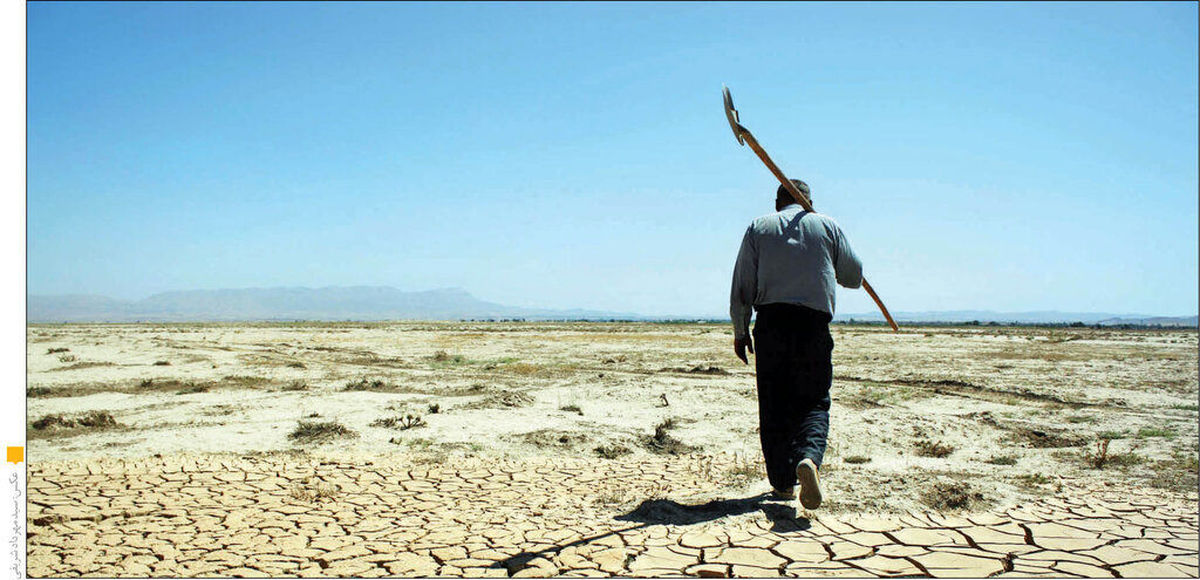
794	257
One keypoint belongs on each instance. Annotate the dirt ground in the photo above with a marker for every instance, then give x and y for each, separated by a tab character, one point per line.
928	418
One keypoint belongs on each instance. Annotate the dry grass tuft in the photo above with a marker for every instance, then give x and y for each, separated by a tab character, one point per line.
402	423
87	420
928	448
313	431
612	451
956	495
663	443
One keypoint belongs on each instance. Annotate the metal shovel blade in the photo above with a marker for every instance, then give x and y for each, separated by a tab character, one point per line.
732	114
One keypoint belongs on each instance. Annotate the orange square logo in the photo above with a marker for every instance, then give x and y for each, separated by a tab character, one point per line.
16	454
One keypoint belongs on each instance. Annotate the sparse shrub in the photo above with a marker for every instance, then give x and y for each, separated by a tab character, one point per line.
1003	460
309	431
434	409
38	391
857	459
957	495
663	443
402	423
571	409
57	350
87	420
66	358
369	385
612	451
443	357
1099	456
296	386
162	363
1112	434
928	448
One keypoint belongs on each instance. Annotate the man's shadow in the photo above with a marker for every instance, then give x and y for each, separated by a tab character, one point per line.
665	511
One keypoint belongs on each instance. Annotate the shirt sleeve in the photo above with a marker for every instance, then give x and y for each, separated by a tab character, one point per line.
846	265
745	286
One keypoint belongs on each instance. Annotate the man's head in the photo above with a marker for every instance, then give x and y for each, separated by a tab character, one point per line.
783	197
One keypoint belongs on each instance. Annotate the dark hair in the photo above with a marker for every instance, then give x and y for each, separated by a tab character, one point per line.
783	195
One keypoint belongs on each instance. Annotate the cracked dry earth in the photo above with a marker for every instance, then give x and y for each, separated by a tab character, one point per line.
277	515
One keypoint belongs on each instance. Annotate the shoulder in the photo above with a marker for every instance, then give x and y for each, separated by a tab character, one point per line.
826	222
768	222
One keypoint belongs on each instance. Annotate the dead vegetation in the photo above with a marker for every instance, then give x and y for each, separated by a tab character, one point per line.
954	496
402	423
550	438
502	400
85	420
663	443
930	448
612	451
57	425
320	431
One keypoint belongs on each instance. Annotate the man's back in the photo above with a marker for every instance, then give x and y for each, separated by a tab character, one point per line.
791	257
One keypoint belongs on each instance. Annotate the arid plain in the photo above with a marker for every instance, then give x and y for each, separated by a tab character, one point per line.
643	422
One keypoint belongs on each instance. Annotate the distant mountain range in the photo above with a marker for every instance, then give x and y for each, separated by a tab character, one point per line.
325	304
368	303
1035	317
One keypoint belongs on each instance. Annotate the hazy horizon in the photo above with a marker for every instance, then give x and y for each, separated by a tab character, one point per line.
1055	314
576	155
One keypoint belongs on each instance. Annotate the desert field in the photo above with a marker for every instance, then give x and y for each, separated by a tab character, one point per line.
948	420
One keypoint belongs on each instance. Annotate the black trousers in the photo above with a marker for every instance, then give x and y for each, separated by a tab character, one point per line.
793	360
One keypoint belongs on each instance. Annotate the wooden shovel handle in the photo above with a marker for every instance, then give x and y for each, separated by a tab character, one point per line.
796	195
879	303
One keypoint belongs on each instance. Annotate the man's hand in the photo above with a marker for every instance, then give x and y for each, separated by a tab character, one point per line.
741	345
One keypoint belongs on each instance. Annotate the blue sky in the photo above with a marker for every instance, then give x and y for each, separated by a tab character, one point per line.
979	156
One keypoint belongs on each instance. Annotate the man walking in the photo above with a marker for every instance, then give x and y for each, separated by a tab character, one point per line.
786	270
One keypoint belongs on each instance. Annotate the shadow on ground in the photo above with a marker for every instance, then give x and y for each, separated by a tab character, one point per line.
669	512
654	512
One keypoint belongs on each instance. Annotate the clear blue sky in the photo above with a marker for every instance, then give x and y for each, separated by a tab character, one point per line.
979	156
